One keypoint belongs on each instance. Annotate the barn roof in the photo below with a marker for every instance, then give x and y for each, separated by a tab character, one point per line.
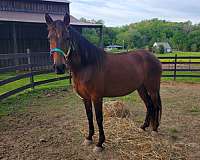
65	1
39	18
164	44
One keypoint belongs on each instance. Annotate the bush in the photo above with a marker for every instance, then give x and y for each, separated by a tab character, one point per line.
194	48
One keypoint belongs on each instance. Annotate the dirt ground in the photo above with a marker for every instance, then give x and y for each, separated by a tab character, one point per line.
53	126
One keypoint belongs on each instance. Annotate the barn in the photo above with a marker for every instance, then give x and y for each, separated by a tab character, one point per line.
166	46
22	24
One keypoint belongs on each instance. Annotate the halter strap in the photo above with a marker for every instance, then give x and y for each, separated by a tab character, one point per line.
58	50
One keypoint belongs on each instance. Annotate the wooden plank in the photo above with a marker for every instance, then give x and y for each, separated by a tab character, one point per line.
12	92
187	76
168	75
12	56
40	53
181	57
42	72
180	62
20	67
183	70
20	89
181	76
51	80
12	79
14	68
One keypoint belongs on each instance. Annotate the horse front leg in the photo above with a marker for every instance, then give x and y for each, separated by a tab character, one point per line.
88	109
99	118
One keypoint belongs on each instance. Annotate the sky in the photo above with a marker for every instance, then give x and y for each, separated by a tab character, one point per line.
122	12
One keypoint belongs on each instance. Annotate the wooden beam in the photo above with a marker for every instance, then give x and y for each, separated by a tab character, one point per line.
15	48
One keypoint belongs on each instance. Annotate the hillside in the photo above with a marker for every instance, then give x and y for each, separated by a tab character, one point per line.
183	36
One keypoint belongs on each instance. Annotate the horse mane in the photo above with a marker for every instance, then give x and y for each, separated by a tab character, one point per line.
88	52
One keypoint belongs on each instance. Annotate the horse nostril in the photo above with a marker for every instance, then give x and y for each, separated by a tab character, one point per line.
54	66
60	69
63	66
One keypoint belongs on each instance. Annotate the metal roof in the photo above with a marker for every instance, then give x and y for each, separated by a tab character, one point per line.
164	44
65	1
39	18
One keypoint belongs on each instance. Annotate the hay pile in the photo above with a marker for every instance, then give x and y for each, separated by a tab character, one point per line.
116	109
125	140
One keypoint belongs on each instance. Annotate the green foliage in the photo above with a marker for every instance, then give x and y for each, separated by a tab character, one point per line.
24	81
181	36
155	50
194	47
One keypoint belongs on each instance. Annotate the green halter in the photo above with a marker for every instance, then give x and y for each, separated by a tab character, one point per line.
58	50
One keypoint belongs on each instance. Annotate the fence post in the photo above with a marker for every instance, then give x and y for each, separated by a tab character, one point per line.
30	68
190	63
175	63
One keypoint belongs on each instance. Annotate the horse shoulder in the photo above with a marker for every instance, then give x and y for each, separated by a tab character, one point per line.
87	82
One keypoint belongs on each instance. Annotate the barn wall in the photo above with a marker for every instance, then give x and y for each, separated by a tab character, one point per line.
6	42
35	6
28	35
32	36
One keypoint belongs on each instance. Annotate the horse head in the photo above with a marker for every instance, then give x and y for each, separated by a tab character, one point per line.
59	39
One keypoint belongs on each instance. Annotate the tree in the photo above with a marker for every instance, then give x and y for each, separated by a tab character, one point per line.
194	47
182	36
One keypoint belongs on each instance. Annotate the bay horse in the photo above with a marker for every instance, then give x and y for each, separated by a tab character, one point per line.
97	74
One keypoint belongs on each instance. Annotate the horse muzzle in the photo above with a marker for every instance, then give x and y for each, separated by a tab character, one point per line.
60	69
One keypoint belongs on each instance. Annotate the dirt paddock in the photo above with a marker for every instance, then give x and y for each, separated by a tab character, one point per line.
53	125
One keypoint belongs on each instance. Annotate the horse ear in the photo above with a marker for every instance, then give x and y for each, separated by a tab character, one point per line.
48	19
67	19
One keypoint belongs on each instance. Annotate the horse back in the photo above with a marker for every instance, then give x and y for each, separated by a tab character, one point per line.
126	72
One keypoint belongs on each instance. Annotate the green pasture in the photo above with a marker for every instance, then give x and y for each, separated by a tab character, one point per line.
25	81
179	54
181	79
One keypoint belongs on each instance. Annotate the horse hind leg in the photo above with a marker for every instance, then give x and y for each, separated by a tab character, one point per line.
149	105
155	96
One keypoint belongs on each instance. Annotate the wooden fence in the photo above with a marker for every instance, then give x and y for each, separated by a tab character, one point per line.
33	64
177	66
39	63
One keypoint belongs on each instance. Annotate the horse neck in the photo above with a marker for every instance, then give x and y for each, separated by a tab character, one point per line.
87	52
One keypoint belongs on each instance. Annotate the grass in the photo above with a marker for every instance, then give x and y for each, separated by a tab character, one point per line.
25	81
179	54
18	101
195	109
173	130
23	99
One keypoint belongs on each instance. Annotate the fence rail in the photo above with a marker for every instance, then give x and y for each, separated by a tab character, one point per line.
39	63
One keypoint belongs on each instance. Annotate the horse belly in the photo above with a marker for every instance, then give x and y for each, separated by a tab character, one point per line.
120	83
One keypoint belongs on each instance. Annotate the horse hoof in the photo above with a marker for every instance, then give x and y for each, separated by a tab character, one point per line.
87	142
154	133
141	130
97	149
